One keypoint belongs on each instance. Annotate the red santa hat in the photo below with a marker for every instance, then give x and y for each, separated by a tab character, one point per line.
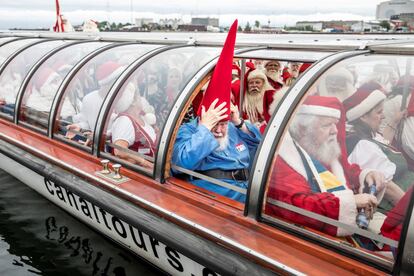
107	72
321	106
363	100
267	62
304	67
285	74
220	83
235	70
46	76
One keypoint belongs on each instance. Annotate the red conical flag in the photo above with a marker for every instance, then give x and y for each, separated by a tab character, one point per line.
59	26
220	83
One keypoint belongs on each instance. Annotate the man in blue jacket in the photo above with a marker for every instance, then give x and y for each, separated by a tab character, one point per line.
222	149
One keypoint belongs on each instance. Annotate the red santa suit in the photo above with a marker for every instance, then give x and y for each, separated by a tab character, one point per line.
260	113
394	222
290	182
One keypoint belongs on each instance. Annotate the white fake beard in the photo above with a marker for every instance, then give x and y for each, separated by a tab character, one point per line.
223	143
326	153
253	104
274	75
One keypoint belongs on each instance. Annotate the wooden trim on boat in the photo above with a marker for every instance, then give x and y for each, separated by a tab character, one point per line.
216	222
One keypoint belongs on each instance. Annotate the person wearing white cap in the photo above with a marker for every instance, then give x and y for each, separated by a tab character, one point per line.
367	148
134	127
91	103
309	172
273	73
258	98
337	83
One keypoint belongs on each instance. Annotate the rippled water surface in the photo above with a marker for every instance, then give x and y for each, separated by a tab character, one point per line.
38	238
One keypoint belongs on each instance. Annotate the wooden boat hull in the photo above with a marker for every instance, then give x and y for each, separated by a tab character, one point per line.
165	245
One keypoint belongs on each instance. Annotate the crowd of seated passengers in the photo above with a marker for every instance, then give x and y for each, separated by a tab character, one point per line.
303	164
224	150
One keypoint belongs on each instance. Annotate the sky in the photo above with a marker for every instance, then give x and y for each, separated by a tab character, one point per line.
41	13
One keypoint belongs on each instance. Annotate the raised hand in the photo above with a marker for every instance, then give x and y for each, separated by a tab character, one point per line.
213	115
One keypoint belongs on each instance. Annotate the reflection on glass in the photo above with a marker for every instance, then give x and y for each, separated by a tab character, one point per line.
43	85
14	73
88	89
9	48
347	155
152	90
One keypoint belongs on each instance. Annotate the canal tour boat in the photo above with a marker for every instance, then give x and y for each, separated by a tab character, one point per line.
60	97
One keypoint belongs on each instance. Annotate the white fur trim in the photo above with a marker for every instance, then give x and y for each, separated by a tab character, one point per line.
111	76
277	97
366	105
319	111
257	74
290	154
150	118
362	177
376	222
126	98
347	211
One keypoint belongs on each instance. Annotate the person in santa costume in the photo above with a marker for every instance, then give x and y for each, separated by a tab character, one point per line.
291	73
134	127
309	172
235	84
106	73
367	147
338	83
11	81
44	87
218	143
258	98
273	73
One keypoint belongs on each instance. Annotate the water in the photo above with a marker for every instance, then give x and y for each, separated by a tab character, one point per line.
38	238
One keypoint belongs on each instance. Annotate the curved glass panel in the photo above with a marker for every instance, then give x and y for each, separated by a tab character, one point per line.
10	48
43	85
344	168
4	39
285	55
79	108
142	105
12	77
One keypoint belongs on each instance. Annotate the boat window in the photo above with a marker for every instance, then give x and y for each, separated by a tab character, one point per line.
80	105
14	73
9	48
43	85
143	104
257	92
344	167
265	83
286	55
5	39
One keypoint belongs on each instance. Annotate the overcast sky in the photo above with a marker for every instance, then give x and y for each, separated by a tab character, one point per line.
41	13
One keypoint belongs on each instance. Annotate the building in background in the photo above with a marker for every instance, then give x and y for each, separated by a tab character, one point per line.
170	23
205	21
389	8
142	22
